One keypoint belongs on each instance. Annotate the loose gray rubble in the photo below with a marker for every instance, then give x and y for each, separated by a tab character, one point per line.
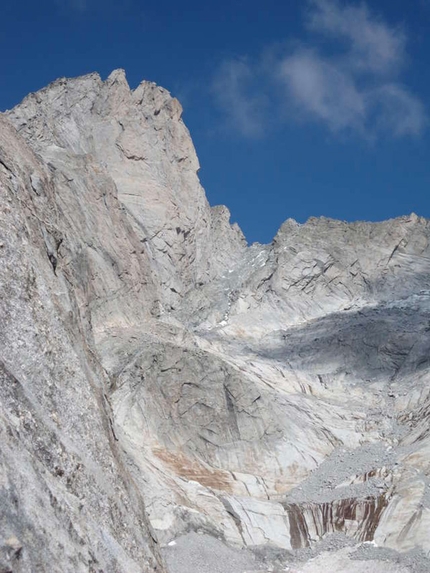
172	399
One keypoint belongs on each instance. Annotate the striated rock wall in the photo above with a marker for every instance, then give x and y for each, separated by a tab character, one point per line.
160	376
68	502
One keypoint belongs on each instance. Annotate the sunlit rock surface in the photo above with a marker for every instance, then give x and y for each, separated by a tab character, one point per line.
162	379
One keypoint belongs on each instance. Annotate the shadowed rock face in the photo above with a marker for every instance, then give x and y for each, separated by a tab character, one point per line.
159	376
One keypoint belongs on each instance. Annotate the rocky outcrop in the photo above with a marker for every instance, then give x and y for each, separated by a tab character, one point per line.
68	501
160	376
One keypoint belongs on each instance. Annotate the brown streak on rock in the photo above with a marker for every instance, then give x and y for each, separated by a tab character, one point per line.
193	470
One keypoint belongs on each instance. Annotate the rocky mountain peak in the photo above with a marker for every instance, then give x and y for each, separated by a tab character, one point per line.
167	389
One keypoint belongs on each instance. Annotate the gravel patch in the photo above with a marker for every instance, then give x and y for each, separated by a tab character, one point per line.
196	553
322	486
336	553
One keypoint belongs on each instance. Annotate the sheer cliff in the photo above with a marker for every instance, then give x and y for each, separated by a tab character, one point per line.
161	378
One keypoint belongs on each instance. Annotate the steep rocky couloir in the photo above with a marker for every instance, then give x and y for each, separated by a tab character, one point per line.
161	377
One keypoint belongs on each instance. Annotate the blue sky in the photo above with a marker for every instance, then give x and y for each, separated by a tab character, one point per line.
297	108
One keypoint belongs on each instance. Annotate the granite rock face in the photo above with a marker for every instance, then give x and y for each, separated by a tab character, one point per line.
162	377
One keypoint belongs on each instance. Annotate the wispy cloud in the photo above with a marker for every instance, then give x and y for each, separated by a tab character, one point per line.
235	91
75	5
321	90
371	44
396	110
356	88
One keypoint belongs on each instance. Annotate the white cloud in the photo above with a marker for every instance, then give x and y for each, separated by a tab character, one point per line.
356	88
372	45
396	110
323	90
235	93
